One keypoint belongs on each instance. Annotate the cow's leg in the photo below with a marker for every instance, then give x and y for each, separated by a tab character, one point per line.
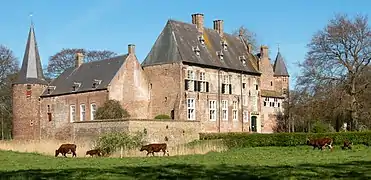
148	153
164	152
73	153
64	154
153	153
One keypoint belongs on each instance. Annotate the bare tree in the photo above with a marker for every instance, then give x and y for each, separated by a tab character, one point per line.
66	59
249	36
8	63
338	54
8	69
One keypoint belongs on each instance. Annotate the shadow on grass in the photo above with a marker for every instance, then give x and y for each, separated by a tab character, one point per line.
351	170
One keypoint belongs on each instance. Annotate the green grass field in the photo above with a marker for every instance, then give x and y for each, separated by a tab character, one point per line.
249	163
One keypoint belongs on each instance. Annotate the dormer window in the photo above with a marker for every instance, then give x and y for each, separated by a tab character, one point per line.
243	60
224	45
220	55
50	89
201	40
96	83
75	86
196	50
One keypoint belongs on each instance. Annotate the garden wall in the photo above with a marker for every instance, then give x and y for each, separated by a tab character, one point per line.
176	132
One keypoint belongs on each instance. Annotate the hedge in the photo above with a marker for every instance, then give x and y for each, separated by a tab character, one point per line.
284	139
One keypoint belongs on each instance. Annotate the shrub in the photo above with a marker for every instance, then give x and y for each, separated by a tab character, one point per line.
110	142
319	127
237	140
111	109
162	116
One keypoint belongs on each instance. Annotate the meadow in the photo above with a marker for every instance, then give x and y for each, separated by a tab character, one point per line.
299	162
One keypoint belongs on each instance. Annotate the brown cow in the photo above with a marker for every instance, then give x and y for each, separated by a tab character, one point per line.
347	144
151	148
94	152
66	149
320	143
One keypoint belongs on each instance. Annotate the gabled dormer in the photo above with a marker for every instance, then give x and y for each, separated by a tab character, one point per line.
75	86
50	89
96	83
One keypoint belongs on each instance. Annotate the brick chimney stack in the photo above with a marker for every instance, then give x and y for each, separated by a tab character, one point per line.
131	48
218	26
264	51
79	59
198	20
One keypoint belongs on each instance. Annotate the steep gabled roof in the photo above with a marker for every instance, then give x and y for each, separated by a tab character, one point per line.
279	66
31	71
176	40
86	74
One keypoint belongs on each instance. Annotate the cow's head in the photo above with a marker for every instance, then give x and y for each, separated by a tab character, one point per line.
56	152
308	141
142	149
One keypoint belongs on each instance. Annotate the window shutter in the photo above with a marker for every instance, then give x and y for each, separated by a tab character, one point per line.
186	84
230	88
199	85
207	86
195	85
223	88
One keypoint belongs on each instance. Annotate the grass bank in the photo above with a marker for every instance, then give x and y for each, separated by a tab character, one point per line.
252	162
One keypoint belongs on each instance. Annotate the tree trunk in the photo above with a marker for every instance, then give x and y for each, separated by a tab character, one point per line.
353	106
121	151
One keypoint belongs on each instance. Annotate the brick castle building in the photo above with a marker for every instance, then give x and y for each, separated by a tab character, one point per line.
192	73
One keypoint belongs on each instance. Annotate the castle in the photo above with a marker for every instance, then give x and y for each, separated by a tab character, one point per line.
192	73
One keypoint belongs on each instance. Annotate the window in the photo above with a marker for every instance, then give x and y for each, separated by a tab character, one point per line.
72	113
28	90
271	83
220	55
226	85
189	82
278	104
224	45
256	87
49	113
93	109
266	99
243	60
28	86
225	109
212	110
201	40
191	109
202	82
243	85
284	91
82	112
235	111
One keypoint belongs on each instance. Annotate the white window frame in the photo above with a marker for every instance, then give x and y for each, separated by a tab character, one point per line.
235	111
93	109
225	110
72	113
203	81
212	110
82	112
191	109
191	76
226	81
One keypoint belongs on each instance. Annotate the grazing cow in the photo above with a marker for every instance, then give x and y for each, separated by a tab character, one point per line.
66	149
347	144
94	152
320	143
151	148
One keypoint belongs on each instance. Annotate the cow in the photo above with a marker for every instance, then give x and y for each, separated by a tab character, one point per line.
151	148
94	152
347	144
66	149
320	143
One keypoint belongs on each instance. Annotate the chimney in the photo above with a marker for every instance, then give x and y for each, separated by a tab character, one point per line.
79	59
198	20
249	47
131	48
264	51
218	26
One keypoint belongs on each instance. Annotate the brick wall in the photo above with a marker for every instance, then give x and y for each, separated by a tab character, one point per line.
60	127
26	111
130	86
177	132
269	119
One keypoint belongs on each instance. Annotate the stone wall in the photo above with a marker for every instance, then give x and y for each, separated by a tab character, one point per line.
177	132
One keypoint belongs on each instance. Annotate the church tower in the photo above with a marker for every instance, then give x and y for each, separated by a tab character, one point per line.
281	76
27	88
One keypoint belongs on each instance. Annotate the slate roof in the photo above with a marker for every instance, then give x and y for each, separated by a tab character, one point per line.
279	66
31	71
86	73
175	42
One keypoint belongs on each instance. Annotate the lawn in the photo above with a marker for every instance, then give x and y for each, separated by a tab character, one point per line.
249	163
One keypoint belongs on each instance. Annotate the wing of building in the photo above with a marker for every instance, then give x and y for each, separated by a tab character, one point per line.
192	73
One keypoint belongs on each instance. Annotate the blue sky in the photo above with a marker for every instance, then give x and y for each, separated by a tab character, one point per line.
113	24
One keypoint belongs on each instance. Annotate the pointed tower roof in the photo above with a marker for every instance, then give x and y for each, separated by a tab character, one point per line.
31	71
279	66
